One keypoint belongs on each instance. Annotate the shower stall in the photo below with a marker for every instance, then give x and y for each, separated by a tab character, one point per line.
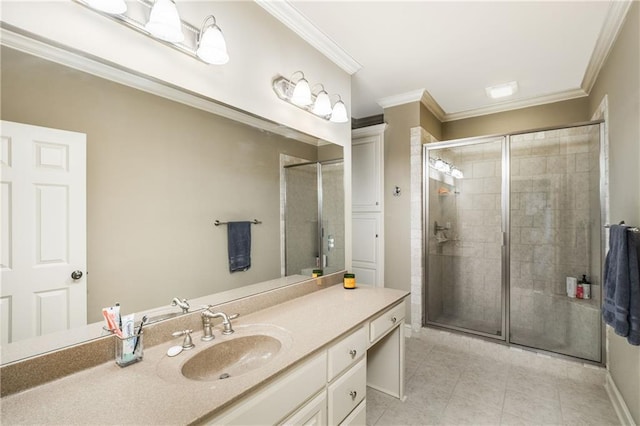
507	220
314	217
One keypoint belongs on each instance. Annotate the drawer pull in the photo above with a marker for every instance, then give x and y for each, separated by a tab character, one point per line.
353	353
394	319
353	394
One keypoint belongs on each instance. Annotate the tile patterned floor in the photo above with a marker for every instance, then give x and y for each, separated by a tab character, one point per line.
457	380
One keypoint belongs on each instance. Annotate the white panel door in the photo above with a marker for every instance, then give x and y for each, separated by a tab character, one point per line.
365	174
43	230
366	248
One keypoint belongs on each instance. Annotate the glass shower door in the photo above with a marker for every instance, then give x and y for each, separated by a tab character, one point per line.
464	229
555	234
332	233
301	218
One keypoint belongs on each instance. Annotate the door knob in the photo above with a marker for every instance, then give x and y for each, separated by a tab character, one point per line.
76	275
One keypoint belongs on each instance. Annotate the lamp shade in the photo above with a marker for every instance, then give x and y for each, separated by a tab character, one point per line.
113	7
339	113
211	46
302	93
164	22
322	106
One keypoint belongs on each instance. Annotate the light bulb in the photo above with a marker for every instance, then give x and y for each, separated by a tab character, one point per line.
211	46
164	22
302	93
322	107
339	113
457	173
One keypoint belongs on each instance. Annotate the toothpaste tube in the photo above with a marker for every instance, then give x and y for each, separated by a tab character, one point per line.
110	318
128	345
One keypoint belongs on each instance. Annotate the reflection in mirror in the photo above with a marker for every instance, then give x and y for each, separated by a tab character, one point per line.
314	217
158	174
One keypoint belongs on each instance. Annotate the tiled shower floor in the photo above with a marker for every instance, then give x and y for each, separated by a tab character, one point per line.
457	380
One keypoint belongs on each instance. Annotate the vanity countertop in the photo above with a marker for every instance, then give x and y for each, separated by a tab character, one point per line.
137	394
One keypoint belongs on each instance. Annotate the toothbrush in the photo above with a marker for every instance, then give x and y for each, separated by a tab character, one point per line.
135	347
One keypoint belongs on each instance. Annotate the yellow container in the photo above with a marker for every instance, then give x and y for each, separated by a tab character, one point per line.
349	281
316	273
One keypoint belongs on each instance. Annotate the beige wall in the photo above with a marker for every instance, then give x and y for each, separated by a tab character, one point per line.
397	226
244	82
159	174
430	123
555	114
619	80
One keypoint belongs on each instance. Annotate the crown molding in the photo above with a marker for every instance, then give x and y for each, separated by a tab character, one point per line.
299	24
375	130
427	100
433	106
512	105
608	34
31	44
401	98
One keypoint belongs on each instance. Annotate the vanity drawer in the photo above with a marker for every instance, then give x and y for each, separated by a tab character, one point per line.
347	391
358	417
385	322
346	352
282	397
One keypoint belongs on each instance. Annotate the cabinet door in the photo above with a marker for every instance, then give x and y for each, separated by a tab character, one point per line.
314	413
271	405
366	248
365	174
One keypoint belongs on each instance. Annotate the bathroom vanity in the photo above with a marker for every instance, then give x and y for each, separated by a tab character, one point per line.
332	344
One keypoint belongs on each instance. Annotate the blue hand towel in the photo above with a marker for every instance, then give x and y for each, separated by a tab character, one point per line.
621	305
239	245
634	291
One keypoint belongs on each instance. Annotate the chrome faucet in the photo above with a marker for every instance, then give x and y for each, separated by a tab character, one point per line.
207	315
183	304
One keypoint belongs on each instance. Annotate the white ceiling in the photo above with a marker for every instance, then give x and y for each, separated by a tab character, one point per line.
446	53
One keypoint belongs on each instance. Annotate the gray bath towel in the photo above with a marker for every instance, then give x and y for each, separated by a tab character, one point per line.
621	305
239	245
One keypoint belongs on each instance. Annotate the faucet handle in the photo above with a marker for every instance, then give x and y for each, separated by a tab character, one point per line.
187	343
233	316
183	304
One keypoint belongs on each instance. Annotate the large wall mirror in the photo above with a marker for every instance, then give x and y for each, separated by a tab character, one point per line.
158	174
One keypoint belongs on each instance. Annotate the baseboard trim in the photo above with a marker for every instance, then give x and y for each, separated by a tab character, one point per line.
619	405
407	330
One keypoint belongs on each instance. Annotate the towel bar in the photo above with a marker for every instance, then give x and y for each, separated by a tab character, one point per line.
632	229
254	221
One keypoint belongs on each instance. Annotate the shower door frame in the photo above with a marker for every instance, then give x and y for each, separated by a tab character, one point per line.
506	230
320	200
426	148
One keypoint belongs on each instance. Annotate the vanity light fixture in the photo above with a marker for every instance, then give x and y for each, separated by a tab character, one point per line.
339	112
159	19
164	22
502	90
114	7
211	45
299	93
322	105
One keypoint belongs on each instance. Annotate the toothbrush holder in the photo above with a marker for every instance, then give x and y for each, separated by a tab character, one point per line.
129	349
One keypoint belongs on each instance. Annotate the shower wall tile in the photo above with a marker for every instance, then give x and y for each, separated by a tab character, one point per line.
533	166
484	169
